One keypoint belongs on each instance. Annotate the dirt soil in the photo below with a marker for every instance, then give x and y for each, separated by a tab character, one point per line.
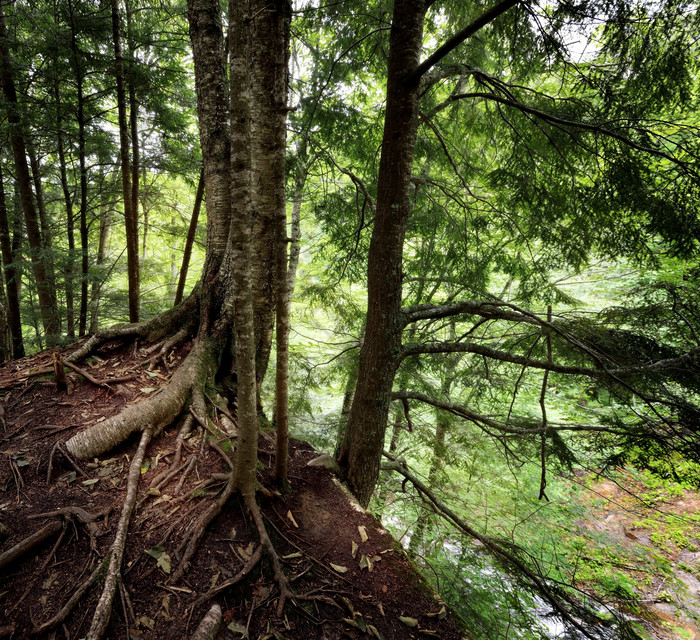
361	582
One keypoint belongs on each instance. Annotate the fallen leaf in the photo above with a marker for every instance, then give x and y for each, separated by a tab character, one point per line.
440	615
237	627
88	483
380	606
105	472
339	568
409	622
358	623
148	389
363	533
214	579
354	548
291	518
164	562
155	552
291	556
375	632
429	632
49	581
145	621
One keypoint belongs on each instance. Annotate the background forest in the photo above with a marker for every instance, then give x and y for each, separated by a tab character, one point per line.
492	244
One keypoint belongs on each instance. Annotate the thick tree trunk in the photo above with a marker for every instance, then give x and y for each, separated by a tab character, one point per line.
268	135
362	448
46	289
130	216
11	279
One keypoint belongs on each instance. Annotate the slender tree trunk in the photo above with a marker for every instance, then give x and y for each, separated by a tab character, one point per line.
46	289
105	225
191	232
130	216
364	440
134	125
13	316
68	200
84	261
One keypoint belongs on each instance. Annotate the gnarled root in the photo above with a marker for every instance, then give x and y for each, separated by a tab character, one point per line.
30	542
282	581
151	330
154	413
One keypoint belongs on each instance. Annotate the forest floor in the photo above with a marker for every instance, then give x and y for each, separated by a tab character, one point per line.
362	583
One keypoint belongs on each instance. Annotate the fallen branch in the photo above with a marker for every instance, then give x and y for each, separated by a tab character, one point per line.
30	542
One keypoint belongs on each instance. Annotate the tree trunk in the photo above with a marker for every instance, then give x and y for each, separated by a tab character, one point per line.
84	262
268	135
191	232
11	279
68	201
130	216
105	225
45	287
362	448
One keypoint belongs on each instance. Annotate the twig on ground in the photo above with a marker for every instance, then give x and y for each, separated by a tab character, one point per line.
30	542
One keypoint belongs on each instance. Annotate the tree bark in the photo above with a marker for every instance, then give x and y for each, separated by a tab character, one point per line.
11	278
268	135
130	216
361	452
191	232
45	288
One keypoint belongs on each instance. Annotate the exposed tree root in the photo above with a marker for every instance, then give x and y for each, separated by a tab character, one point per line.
151	330
34	540
209	626
72	602
247	568
282	581
83	516
103	610
168	344
200	529
153	413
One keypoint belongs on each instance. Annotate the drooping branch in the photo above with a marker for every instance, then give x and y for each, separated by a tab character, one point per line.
499	550
485	309
523	426
497	354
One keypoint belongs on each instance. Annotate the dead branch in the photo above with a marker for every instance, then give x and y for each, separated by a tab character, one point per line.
104	606
30	542
98	383
209	626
